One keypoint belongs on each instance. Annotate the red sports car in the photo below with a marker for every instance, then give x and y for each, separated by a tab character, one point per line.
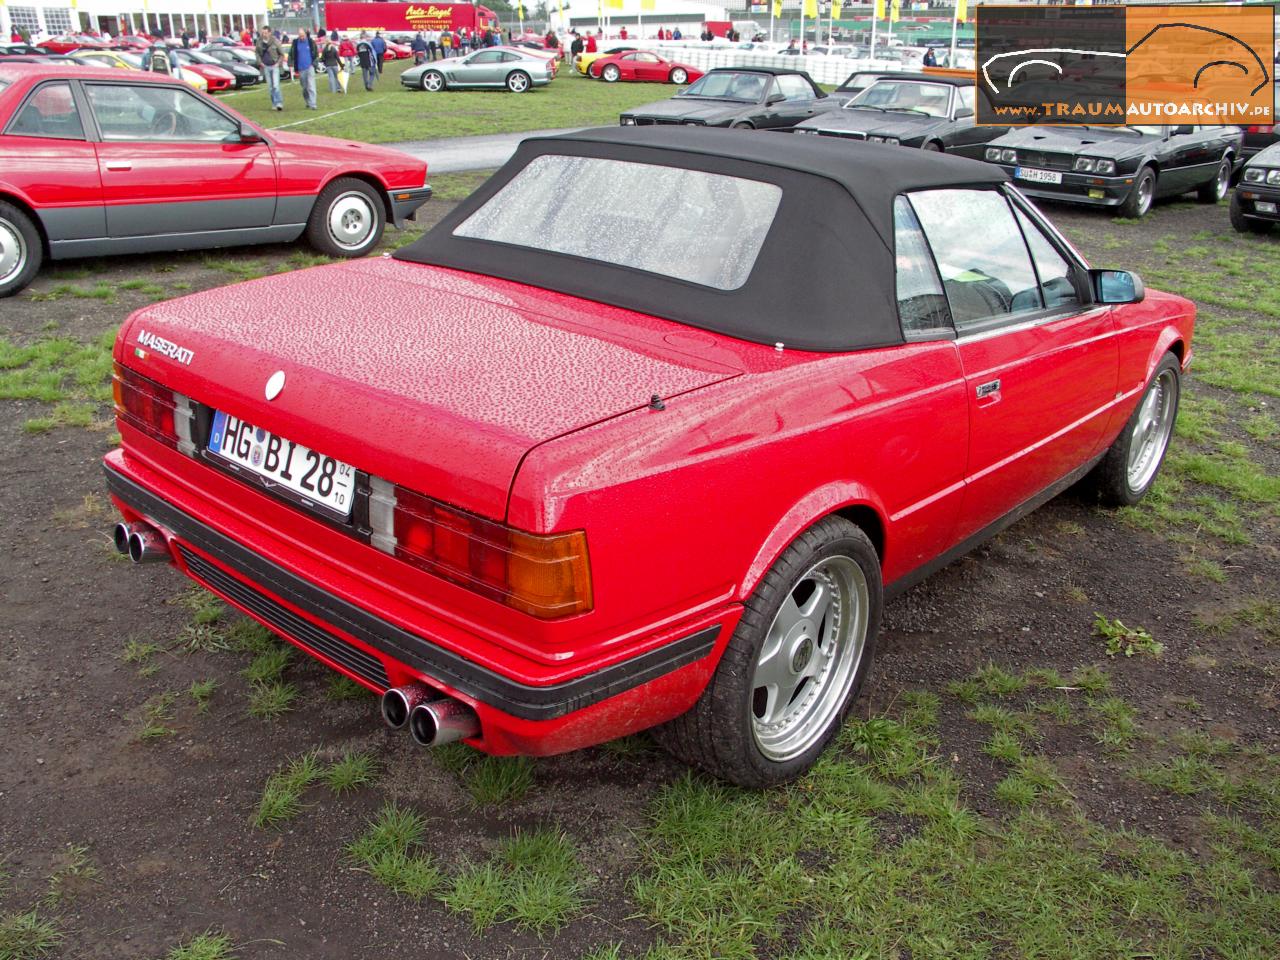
78	41
95	163
217	78
663	471
642	65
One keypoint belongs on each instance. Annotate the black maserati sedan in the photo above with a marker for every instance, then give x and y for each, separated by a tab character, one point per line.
764	98
1125	168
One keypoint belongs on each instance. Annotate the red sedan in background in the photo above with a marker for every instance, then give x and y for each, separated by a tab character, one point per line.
643	65
78	41
658	472
106	162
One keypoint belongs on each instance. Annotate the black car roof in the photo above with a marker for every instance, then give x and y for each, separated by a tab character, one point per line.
930	78
775	71
824	278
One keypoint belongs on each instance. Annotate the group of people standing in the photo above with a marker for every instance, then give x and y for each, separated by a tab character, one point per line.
337	56
441	44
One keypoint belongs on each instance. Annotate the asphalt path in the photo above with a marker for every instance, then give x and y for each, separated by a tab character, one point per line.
456	154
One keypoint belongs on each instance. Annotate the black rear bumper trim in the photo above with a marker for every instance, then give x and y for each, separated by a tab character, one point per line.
518	699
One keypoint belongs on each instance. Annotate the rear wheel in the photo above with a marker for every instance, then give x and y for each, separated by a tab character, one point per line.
793	666
1216	189
20	249
1138	202
348	219
1129	467
518	81
933	146
1246	224
432	81
610	73
742	125
679	75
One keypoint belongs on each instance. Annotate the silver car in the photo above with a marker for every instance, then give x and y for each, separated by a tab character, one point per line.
492	67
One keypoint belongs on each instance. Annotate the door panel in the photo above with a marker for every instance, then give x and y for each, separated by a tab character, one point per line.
170	163
1038	400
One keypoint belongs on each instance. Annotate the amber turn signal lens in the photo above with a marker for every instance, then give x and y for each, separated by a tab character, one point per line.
549	576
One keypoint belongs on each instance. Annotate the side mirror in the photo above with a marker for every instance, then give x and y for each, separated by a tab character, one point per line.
963	113
775	98
248	134
1185	128
1116	286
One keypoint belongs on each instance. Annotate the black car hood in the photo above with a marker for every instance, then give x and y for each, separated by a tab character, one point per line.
1266	157
902	126
1095	142
691	108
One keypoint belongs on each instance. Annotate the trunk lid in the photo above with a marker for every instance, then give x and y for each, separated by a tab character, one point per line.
435	379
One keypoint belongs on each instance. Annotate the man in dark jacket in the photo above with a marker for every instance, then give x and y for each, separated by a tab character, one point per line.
419	48
269	53
368	61
302	57
380	49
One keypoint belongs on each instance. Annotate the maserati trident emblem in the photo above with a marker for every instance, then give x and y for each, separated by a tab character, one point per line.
275	383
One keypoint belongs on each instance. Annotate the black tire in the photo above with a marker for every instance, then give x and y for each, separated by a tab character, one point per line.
609	73
1216	189
718	734
347	220
933	146
742	125
432	81
21	249
1138	202
1111	479
518	81
679	76
1245	224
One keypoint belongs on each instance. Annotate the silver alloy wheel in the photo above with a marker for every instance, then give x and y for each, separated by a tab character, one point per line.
809	658
610	73
432	82
1146	190
517	83
351	219
13	251
679	76
1223	180
1152	429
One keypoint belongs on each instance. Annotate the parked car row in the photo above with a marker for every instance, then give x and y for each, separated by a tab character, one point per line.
1124	168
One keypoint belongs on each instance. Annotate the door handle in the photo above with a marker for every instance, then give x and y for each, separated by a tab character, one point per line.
119	165
988	393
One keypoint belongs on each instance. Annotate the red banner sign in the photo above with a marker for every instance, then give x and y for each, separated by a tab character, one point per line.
406	17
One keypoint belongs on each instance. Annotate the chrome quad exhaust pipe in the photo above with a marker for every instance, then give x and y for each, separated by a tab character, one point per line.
141	543
437	722
399	702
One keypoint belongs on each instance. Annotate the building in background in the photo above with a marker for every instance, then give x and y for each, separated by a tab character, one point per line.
160	17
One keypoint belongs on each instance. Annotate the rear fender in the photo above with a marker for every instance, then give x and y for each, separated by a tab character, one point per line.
817	504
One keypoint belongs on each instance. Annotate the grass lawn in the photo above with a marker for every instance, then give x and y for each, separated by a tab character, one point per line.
390	113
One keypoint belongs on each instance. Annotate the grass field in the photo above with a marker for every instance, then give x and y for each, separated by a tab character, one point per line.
391	113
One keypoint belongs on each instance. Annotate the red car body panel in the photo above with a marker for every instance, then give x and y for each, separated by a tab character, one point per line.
94	197
217	78
531	407
643	70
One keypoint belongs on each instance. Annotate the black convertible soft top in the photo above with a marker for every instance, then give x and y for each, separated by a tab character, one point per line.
824	278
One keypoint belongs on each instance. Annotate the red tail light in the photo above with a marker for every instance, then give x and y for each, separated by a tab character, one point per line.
1258	128
544	575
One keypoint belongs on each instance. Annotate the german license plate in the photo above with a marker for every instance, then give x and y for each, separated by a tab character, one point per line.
316	478
1263	206
1037	176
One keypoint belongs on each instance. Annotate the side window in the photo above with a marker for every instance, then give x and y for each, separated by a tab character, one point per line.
967	97
1056	287
794	88
487	56
49	112
922	306
127	112
981	256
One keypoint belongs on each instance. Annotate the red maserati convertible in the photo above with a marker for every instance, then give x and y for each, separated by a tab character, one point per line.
642	65
550	486
95	163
